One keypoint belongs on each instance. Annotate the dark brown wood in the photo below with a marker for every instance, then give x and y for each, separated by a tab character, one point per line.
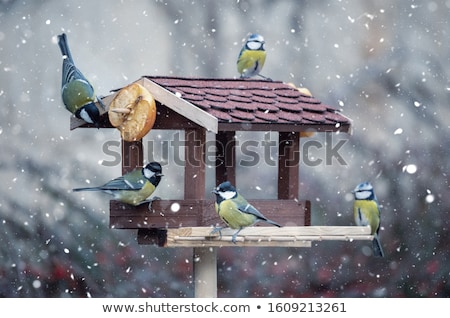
194	174
226	157
183	213
152	237
282	127
132	155
307	213
164	213
288	165
169	119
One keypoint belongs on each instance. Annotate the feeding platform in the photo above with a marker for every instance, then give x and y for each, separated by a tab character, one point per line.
293	236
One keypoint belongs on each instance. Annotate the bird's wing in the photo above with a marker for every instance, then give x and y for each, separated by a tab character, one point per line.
71	72
250	209
133	181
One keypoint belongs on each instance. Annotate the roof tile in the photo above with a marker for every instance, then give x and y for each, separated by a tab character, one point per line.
245	106
248	116
267	116
236	98
264	100
296	108
292	117
268	108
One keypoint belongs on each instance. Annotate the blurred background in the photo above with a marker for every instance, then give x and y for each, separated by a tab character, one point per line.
384	64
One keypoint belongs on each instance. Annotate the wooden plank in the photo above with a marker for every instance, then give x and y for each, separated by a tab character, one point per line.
193	212
194	174
288	165
205	272
299	231
226	242
226	157
164	214
132	155
285	127
181	106
264	236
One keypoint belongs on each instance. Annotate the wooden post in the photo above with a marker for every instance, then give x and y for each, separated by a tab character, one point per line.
132	155
288	165
194	174
204	258
205	272
226	157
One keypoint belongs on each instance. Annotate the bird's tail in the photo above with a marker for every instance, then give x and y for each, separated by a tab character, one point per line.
376	246
87	189
273	223
64	46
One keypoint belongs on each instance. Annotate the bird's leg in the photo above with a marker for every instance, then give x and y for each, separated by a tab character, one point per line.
215	230
233	238
150	201
266	78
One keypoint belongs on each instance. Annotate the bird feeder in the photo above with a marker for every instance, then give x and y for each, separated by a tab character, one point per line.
224	107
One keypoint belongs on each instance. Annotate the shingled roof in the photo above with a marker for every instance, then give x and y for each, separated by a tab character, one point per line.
231	104
256	102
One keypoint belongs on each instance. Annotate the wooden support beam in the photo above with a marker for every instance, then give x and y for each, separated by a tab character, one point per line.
132	155
226	157
194	174
288	165
205	272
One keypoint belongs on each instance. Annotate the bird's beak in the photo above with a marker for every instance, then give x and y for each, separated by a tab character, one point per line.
159	174
215	191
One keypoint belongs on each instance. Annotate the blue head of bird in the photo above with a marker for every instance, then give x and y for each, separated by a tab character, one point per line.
364	191
224	191
89	113
255	42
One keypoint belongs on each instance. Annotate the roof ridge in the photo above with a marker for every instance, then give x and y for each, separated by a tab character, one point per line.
219	79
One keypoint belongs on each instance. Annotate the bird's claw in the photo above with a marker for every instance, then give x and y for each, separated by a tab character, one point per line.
215	230
266	78
150	201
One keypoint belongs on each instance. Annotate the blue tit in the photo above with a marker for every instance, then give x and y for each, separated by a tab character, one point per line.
252	57
234	209
367	212
77	93
134	187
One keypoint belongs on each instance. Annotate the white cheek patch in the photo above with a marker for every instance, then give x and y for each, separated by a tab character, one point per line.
148	173
227	194
362	195
254	45
85	116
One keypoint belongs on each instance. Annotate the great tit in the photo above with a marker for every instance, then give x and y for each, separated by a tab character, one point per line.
367	212
77	93
234	209
134	187
252	57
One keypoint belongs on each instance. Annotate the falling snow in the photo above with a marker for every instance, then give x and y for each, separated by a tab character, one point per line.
382	64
